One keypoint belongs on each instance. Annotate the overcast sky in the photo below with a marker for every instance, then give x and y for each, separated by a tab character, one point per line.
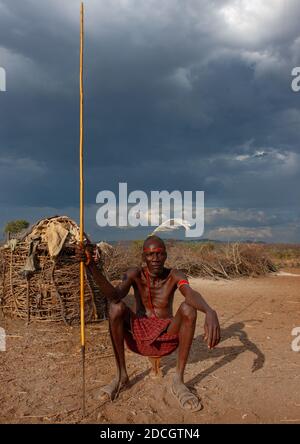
179	95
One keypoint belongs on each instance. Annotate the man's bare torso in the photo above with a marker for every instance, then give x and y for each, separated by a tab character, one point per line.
162	289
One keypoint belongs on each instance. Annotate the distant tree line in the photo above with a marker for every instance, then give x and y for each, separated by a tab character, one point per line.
15	226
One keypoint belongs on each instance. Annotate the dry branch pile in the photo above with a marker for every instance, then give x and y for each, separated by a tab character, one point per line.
204	260
51	292
224	261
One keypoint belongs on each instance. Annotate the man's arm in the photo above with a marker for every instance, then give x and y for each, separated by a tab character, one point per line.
194	298
113	294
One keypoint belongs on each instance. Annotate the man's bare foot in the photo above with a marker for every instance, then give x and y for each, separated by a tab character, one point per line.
111	391
187	400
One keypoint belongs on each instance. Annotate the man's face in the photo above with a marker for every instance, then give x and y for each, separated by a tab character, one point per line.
155	256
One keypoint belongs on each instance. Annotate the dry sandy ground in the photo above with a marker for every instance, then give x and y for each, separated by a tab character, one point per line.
251	377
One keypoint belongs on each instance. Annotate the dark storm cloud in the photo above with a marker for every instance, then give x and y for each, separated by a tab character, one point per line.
179	95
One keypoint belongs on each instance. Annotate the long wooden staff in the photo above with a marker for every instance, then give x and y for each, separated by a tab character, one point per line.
82	320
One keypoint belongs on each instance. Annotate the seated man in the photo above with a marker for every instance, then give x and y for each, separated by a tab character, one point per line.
153	330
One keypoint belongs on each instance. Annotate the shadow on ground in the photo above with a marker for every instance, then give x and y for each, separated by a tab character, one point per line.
199	352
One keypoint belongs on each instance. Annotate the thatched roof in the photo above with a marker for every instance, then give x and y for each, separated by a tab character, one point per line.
40	275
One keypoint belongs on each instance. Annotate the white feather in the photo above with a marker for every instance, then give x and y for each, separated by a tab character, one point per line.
172	224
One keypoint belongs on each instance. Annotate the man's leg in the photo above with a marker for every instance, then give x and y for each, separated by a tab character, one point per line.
184	324
119	314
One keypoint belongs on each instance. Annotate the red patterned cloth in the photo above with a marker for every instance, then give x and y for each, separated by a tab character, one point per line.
148	336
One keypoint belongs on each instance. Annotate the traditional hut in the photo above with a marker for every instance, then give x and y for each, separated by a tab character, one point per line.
39	276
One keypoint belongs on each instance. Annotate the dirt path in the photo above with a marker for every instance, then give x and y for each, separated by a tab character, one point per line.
252	377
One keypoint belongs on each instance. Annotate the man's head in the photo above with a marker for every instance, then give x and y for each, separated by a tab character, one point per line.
154	254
